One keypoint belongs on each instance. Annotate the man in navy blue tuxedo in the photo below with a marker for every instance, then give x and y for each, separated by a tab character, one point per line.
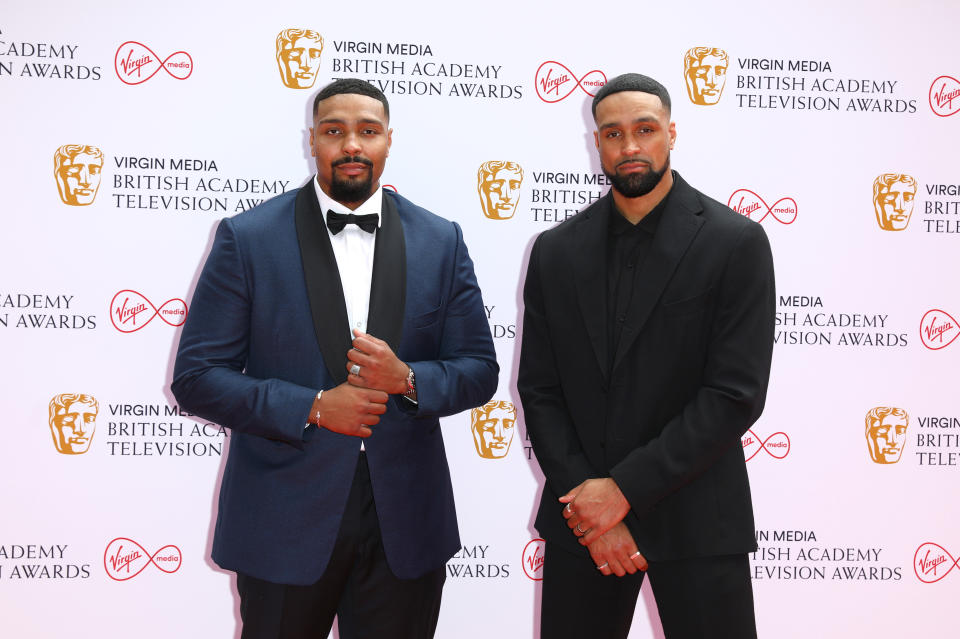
330	329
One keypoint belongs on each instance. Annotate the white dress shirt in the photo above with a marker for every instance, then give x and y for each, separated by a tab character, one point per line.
353	250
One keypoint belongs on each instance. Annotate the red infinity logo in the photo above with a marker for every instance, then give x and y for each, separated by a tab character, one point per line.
127	309
135	63
125	559
932	562
945	96
938	329
553	79
746	203
532	560
776	445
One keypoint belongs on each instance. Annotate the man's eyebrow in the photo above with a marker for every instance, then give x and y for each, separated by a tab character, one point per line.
342	121
643	119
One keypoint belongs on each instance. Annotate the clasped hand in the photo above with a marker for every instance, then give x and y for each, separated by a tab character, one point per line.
354	406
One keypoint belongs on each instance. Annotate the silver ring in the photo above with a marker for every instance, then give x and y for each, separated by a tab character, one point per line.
581	530
603	565
355	370
569	509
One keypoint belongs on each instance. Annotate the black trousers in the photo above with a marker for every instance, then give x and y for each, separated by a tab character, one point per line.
701	598
357	588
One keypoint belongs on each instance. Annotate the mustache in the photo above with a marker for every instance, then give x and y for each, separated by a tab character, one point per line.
356	159
633	161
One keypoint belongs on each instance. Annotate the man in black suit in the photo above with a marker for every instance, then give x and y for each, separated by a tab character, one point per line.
331	328
647	339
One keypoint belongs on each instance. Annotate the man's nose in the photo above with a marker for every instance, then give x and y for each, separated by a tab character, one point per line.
351	143
898	204
711	78
84	177
498	431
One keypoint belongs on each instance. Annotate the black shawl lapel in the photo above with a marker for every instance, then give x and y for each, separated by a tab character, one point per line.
590	265
677	228
388	288
322	277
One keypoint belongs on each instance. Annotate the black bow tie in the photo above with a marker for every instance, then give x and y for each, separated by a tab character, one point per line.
336	221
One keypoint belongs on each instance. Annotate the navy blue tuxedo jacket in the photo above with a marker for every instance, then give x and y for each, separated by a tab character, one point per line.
268	328
689	374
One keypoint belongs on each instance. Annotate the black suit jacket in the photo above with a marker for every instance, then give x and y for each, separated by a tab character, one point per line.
689	374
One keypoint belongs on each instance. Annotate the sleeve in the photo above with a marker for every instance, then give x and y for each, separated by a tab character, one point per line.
552	432
208	375
734	384
465	372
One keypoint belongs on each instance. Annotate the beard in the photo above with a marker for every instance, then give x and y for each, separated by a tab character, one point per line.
637	184
356	189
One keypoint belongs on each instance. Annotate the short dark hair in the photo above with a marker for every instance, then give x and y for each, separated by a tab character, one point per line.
632	82
351	85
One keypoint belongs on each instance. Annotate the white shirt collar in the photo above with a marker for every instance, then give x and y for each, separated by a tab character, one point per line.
371	205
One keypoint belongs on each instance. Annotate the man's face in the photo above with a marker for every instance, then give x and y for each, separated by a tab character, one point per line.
73	427
494	433
500	191
350	141
706	78
634	136
79	179
894	205
886	438
299	62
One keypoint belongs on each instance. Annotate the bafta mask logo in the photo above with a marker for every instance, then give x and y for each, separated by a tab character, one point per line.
298	56
498	183
893	195
886	433
493	426
73	419
77	169
705	73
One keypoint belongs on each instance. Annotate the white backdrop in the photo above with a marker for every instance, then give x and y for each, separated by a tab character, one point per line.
115	540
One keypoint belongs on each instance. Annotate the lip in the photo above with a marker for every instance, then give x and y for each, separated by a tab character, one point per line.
632	167
352	168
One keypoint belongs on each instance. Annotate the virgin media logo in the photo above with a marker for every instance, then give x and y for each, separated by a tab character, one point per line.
749	204
124	559
932	562
533	559
135	63
938	329
776	445
945	96
554	81
130	311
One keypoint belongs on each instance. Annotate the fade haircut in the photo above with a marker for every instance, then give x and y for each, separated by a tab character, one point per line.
351	85
632	82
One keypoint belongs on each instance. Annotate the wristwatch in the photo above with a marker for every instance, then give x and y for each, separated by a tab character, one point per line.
411	392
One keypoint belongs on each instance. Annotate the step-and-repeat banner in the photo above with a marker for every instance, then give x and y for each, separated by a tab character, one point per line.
129	132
